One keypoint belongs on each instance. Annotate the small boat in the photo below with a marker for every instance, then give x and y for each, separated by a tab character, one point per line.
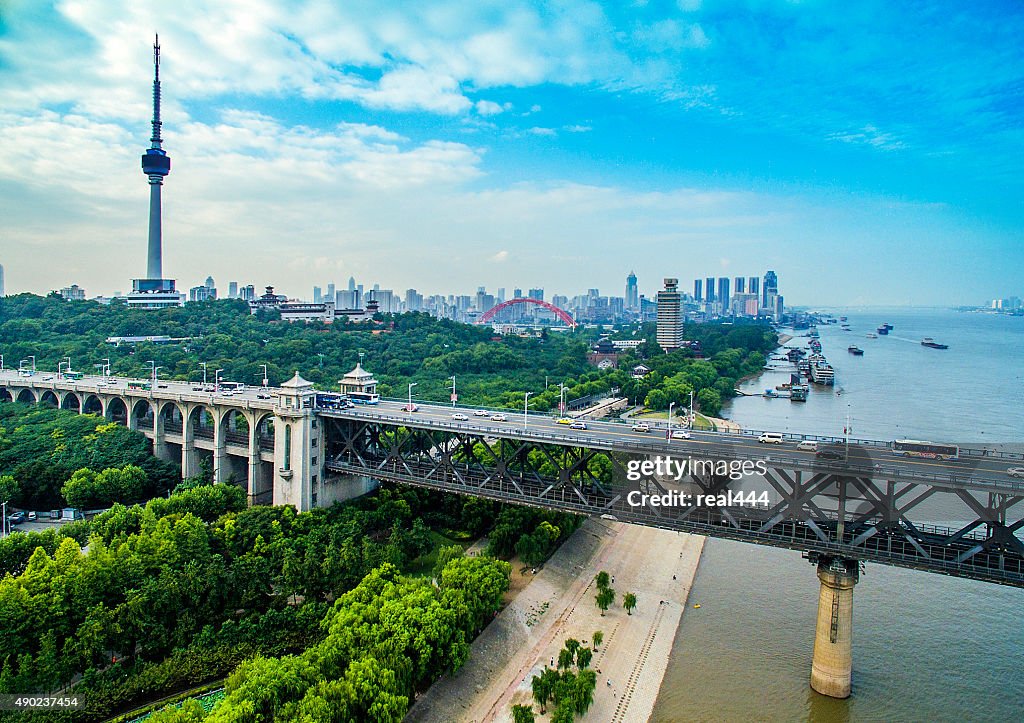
842	318
888	326
855	350
770	393
883	330
798	393
932	344
872	336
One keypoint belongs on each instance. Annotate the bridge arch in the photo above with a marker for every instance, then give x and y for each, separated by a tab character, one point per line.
142	415
171	418
265	432
92	405
560	313
201	422
48	399
5	395
234	427
27	396
71	402
117	411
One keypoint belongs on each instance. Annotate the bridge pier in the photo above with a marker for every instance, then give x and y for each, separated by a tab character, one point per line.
832	667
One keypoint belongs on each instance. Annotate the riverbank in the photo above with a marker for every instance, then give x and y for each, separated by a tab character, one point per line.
657	566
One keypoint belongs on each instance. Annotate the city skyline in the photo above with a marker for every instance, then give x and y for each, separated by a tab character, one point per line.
444	147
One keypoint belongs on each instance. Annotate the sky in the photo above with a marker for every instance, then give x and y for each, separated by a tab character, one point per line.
869	152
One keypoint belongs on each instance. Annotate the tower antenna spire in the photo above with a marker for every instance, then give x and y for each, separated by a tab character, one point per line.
156	140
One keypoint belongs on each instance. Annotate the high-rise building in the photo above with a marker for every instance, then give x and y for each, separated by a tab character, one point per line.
351	283
670	316
232	289
632	293
537	294
723	293
154	291
709	289
517	294
739	285
1	280
413	300
248	293
73	293
771	287
330	291
501	295
754	286
318	295
698	290
202	293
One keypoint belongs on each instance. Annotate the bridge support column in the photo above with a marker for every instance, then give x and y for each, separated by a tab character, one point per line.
832	667
160	448
221	467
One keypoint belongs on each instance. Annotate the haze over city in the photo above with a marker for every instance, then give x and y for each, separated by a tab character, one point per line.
869	154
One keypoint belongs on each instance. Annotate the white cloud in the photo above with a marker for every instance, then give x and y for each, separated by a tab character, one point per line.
500	257
488	107
872	136
539	131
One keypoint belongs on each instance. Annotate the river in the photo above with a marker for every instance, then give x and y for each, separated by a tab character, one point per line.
926	647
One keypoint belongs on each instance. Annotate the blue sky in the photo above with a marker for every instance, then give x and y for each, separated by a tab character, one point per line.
869	152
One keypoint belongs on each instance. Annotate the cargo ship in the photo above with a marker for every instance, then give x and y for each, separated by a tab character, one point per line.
855	350
932	344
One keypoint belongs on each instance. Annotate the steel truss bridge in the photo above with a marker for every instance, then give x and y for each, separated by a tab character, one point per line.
861	508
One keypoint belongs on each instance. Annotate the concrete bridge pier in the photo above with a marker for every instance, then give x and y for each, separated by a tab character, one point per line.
832	667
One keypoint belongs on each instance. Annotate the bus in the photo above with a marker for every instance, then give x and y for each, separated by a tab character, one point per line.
931	450
232	386
140	385
363	398
331	400
73	375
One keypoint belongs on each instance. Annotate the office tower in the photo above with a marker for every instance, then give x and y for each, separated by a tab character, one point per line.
154	291
754	286
351	283
632	293
232	289
517	294
318	295
670	316
698	290
739	285
537	294
330	291
413	300
248	293
723	293
211	287
709	289
771	287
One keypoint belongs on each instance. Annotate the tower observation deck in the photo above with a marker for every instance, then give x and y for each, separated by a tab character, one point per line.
155	291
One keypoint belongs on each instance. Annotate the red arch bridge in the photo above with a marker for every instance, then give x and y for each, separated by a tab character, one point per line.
560	313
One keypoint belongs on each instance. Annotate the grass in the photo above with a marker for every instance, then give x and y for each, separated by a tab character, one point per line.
424	564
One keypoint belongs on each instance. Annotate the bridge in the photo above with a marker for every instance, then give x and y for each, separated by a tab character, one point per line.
958	517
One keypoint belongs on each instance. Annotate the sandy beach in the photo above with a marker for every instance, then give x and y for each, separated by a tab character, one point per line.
658	566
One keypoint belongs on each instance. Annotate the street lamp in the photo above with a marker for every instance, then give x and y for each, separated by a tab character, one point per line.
216	381
668	435
203	365
156	374
33	358
1	362
106	367
68	360
411	385
526	407
691	415
561	399
455	397
152	368
265	380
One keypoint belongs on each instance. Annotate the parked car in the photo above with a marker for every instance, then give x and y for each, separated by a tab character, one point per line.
31	516
578	425
459	417
499	418
641	427
16	518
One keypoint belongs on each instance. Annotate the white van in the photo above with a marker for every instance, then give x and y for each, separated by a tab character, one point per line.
771	438
808	446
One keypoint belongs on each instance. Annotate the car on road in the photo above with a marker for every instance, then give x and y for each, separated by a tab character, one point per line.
262	395
641	427
410	408
31	517
480	413
499	418
460	417
680	434
197	389
808	446
771	438
578	425
46	379
161	386
16	518
564	420
829	454
1016	472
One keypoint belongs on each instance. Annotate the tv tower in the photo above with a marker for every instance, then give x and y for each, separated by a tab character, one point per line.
155	291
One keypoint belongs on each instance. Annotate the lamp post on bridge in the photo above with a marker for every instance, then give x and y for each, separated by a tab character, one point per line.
526	408
561	399
203	365
265	380
106	367
216	381
455	397
409	407
668	432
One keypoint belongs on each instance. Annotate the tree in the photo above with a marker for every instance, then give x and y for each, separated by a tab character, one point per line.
583	657
523	714
629	602
602	579
542	688
9	488
597	638
565	659
605	598
445	554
